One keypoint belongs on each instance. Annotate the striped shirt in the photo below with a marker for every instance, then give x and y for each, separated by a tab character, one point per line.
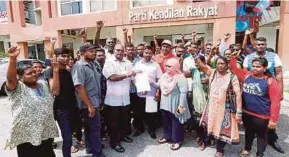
272	58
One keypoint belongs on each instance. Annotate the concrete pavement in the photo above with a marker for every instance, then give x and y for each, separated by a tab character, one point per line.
144	146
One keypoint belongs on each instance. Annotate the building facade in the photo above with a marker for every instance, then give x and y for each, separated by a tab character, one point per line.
30	24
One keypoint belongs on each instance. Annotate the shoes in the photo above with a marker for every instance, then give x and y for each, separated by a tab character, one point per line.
163	140
153	135
137	133
118	148
175	146
127	139
54	145
275	145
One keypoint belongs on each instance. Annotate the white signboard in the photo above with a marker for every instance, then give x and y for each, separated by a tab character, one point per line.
173	13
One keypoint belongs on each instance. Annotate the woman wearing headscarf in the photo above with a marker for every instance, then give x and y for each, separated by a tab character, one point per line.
224	109
174	107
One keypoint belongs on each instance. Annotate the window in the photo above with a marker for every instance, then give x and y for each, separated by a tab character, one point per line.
69	7
102	5
141	3
3	12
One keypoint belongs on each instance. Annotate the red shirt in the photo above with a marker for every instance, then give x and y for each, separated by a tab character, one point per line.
161	59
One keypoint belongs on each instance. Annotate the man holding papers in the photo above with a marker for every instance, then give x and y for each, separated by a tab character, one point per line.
145	81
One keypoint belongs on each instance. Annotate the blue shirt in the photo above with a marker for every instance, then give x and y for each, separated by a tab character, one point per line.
87	75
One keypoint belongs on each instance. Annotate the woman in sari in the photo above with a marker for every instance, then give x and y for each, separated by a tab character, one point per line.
224	109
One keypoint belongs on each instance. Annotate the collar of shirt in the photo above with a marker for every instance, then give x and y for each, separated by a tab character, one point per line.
256	54
116	60
143	61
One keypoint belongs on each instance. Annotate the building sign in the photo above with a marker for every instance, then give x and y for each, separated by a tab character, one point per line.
173	13
3	13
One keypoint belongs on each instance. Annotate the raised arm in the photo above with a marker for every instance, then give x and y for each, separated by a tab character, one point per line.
183	39
210	58
83	34
204	68
252	39
194	34
125	30
241	74
52	46
11	80
223	44
129	39
54	81
156	41
96	37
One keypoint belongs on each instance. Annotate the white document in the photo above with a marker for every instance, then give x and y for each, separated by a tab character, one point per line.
151	105
142	82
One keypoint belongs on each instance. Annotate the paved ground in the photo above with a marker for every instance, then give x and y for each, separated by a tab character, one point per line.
144	146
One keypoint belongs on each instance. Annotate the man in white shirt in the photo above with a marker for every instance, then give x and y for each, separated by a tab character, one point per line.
118	72
145	109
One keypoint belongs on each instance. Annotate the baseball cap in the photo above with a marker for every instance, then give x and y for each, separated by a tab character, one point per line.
167	42
87	47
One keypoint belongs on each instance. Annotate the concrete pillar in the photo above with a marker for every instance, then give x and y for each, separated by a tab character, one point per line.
283	49
223	26
23	49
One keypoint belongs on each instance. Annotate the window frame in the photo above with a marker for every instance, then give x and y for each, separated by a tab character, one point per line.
60	10
85	8
99	11
168	2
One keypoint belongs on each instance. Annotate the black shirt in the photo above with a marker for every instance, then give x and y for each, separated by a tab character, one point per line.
66	98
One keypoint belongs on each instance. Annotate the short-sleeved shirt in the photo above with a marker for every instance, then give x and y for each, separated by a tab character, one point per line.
272	58
66	98
32	112
117	93
188	65
154	73
86	74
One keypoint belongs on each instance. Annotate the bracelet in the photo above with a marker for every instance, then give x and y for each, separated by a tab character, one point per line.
239	113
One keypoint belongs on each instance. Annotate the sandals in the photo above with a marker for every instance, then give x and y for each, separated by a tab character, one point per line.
80	143
163	140
198	140
219	154
74	149
175	146
244	153
202	146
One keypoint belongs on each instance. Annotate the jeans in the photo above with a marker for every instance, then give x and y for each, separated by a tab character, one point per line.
62	117
92	132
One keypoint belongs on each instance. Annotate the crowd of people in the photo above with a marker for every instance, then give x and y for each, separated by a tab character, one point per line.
120	90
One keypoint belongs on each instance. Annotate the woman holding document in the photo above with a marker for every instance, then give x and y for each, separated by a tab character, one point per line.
147	103
174	107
